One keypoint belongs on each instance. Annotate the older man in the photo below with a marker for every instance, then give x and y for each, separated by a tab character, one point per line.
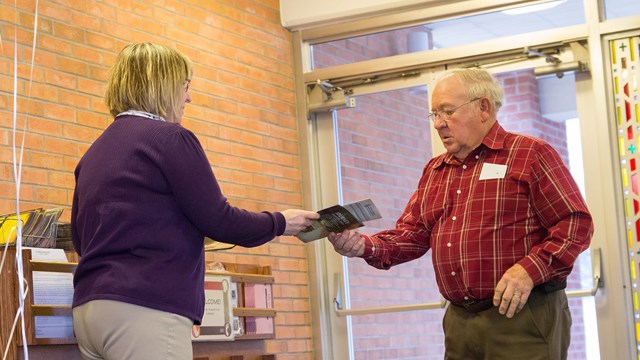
505	222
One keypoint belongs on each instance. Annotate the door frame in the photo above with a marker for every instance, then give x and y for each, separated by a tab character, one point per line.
613	302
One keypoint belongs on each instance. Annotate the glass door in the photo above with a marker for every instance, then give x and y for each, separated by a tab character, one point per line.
383	145
571	111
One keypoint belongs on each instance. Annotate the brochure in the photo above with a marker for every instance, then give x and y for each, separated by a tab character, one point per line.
340	218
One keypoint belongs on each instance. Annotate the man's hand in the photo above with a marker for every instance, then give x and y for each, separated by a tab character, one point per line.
512	291
348	243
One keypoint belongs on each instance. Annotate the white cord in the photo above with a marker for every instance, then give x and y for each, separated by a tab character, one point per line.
13	328
6	246
17	169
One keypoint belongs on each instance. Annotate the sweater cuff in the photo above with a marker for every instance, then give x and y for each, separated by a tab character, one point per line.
281	223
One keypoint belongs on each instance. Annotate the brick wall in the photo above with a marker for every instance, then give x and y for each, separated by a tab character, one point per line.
522	113
243	112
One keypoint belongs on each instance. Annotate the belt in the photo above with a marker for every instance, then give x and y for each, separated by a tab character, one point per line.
476	306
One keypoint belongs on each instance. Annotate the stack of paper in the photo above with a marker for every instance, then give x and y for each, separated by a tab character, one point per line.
52	288
258	296
37	227
9	225
238	326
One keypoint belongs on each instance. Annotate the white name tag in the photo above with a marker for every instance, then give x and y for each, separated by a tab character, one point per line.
493	171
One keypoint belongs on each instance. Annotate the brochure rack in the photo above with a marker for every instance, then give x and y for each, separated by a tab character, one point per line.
243	274
9	300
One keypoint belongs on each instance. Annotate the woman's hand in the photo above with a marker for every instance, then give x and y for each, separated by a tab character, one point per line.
298	220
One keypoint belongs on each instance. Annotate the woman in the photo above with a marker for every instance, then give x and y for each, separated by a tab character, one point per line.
145	198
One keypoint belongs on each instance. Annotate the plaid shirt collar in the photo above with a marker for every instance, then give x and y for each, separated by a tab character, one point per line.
493	140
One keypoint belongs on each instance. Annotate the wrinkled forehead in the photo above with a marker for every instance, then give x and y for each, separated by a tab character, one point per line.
449	90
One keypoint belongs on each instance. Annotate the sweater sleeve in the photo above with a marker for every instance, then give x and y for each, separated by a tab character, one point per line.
200	198
74	222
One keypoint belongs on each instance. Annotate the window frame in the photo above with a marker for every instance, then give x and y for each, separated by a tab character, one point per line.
321	175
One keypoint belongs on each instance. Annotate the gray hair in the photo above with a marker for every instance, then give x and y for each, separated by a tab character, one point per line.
480	83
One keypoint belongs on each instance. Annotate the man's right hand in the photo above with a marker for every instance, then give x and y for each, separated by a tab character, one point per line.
348	243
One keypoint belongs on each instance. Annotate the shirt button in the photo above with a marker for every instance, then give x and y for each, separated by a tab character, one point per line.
466	298
453	218
458	191
453	273
448	244
464	167
477	157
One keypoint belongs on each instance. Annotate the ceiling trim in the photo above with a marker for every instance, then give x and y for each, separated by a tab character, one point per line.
346	27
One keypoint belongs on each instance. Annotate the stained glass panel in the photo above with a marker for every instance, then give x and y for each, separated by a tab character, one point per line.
626	70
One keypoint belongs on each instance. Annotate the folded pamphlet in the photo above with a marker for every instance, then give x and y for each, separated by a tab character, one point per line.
340	218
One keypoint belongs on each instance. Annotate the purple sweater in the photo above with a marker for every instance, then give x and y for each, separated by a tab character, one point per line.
145	197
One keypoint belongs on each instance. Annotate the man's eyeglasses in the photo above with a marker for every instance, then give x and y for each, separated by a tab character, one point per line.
186	86
445	115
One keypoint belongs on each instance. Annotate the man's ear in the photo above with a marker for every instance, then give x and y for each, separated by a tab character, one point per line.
485	108
483	104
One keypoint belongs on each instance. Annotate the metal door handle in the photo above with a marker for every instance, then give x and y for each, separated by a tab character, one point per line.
596	262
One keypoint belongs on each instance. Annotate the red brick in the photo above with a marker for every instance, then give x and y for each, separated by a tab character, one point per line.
68	32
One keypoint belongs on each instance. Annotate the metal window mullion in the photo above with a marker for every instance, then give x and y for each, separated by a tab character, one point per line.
504	48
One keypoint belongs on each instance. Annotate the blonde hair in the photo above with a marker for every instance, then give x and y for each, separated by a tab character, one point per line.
480	83
148	77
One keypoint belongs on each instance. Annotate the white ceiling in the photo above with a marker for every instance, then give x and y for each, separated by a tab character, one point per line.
498	24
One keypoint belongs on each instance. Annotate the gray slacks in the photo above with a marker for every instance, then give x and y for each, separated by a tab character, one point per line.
114	330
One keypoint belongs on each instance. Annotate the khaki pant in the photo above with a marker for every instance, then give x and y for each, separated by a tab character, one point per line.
540	331
114	330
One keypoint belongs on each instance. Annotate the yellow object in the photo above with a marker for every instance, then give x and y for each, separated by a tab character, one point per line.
8	228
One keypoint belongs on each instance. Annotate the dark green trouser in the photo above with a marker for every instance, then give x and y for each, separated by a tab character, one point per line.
541	331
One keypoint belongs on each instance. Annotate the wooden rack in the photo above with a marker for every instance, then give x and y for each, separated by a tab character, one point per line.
9	300
243	274
239	273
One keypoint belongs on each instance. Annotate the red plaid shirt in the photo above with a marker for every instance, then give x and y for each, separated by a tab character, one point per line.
478	228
